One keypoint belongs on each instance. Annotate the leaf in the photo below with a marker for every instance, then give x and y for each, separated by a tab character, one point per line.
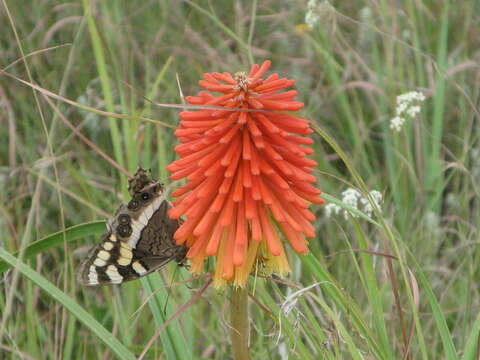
56	239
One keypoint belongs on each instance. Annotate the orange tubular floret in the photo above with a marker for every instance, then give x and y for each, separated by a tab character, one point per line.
196	115
199	209
247	175
214	87
198	246
259	142
184	231
247	146
200	123
281	105
209	188
298	243
240	238
252	127
255	104
212	157
190	158
231	119
214	241
238	188
254	163
185	189
233	149
232	168
262	70
210	78
284	96
205	224
253	70
274	85
225	187
242	118
230	134
215	170
265	167
190	131
225	77
221	99
250	206
266	195
266	125
256	226
180	174
278	181
229	207
228	252
217	204
256	193
273	242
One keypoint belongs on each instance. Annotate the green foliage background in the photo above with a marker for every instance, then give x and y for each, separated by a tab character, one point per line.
346	299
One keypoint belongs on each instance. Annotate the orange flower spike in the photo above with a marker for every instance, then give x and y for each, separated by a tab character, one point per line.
249	182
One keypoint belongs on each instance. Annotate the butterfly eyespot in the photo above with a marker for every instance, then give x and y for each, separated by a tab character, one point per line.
124	219
145	196
124	230
133	204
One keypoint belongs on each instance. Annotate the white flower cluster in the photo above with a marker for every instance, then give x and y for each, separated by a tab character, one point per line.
407	106
312	17
317	11
352	198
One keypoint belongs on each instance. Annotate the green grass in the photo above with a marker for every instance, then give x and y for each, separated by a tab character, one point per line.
400	285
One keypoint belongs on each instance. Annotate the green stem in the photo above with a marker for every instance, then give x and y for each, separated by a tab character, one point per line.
239	323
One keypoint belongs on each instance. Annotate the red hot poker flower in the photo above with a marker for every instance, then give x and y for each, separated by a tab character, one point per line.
249	182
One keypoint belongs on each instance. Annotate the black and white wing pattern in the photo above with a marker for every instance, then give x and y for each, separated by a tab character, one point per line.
139	240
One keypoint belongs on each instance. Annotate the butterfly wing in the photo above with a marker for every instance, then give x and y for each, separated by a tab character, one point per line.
139	241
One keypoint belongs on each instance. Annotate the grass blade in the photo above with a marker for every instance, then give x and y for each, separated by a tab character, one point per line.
56	239
84	317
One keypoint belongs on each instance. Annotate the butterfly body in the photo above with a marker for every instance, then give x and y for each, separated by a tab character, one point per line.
139	241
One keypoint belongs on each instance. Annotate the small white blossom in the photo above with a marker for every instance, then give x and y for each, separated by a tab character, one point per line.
319	11
413	111
352	198
367	206
397	123
407	106
332	208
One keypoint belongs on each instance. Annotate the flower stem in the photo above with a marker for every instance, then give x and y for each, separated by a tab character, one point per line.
239	323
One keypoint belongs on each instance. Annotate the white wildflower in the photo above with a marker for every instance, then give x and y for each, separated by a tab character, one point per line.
413	111
397	123
312	17
377	198
353	198
332	208
407	106
320	11
350	197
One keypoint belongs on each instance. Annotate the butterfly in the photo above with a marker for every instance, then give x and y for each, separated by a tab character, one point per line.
139	238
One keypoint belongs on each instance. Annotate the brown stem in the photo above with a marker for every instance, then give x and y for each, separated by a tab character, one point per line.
239	323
